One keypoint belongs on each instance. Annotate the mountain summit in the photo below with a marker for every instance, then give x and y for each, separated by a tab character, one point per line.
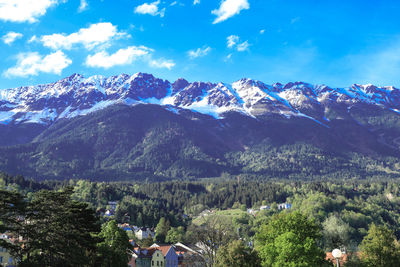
76	95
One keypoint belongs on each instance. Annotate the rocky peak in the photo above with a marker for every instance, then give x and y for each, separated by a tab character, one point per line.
179	84
76	95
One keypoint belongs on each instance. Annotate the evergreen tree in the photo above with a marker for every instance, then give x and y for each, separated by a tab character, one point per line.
12	209
59	231
114	250
379	248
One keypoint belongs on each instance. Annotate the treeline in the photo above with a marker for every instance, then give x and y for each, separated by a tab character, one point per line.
355	203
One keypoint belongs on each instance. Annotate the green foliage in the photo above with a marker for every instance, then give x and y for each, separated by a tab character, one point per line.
215	232
353	260
175	235
115	247
149	142
341	208
147	242
336	233
237	254
12	207
59	231
380	248
290	239
162	229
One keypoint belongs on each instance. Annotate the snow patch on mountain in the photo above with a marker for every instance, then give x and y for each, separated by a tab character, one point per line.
77	96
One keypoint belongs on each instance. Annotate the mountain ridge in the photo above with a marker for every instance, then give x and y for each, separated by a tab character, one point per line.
139	126
76	95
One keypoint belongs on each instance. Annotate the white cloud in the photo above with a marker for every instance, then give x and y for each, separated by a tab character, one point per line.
96	34
229	8
196	2
150	9
32	39
174	3
232	40
199	52
10	37
161	63
243	46
31	64
262	31
24	10
83	6
121	57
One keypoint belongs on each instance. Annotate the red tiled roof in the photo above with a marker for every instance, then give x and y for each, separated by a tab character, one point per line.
164	249
180	249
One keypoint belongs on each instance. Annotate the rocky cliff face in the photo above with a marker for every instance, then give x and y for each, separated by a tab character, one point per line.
76	95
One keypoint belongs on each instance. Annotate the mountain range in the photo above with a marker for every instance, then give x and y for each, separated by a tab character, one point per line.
139	126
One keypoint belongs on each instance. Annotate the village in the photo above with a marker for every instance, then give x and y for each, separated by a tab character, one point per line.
166	255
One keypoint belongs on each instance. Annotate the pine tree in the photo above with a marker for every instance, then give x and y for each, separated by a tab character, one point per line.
59	231
379	248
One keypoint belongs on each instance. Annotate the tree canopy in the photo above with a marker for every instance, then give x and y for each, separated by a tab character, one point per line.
59	231
237	254
379	248
290	239
114	250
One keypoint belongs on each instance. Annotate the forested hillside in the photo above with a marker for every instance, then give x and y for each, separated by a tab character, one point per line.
151	142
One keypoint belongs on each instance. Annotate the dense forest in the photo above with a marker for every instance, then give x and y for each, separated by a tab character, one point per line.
150	142
341	214
356	204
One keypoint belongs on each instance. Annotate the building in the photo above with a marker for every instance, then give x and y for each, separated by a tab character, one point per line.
189	256
284	206
142	257
158	259
144	233
170	254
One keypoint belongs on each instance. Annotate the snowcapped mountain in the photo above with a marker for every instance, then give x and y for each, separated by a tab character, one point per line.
77	95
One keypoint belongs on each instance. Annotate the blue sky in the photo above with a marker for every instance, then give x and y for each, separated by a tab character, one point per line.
331	42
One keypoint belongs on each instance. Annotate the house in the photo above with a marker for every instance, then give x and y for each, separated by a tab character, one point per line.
284	206
158	258
169	253
142	257
189	256
265	208
252	211
144	233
